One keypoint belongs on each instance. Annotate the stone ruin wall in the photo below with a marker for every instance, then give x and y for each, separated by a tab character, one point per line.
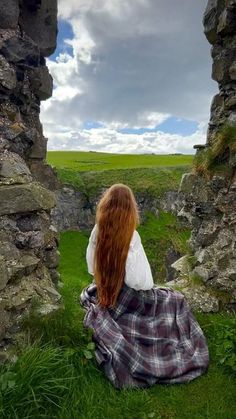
28	240
210	205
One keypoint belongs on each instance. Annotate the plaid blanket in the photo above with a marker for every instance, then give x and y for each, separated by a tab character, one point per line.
149	337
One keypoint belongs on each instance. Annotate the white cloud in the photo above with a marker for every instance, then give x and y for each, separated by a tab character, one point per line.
134	63
109	140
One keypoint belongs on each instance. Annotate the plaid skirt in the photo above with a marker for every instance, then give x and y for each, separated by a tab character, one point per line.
149	337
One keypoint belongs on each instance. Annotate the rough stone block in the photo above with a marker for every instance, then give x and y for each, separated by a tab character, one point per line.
24	198
232	71
7	74
52	258
227	21
39	148
21	50
230	102
13	169
222	63
9	14
210	21
40	23
44	174
3	273
8	250
41	82
24	266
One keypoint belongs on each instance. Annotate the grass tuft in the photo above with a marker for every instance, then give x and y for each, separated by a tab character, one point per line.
215	159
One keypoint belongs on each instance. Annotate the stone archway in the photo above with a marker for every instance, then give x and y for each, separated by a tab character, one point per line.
28	241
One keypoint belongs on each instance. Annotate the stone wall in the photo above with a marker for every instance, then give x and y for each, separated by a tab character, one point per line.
210	201
28	241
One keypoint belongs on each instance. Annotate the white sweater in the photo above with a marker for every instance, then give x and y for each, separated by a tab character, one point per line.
138	273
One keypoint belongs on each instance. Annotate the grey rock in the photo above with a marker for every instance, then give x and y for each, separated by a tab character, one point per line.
181	266
23	198
29	240
36	240
41	82
55	276
210	20
8	249
13	169
3	275
52	258
202	272
21	50
41	24
29	222
217	183
232	71
9	14
200	299
170	202
43	172
38	149
227	21
71	211
7	74
171	256
54	293
25	266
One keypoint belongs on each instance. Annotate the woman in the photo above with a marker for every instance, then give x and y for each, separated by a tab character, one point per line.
144	334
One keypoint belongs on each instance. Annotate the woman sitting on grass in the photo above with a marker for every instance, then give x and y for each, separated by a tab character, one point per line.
144	334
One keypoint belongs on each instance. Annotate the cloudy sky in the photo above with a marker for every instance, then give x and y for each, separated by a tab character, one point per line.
129	77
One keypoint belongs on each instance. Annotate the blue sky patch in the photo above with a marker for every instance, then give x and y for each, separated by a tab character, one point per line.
65	31
92	124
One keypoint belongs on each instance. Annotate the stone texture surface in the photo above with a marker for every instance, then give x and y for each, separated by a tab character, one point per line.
28	241
76	211
210	201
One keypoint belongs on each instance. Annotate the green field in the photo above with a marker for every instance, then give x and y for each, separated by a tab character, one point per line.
146	174
87	161
54	379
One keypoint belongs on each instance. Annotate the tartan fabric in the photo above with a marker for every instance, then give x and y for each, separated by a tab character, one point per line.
149	337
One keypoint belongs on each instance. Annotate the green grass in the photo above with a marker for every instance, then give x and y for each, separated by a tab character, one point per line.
148	182
53	379
146	174
87	161
215	159
160	234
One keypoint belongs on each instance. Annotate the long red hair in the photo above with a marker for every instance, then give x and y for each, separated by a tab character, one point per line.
117	217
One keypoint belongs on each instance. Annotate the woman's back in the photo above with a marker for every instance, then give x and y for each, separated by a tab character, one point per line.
138	273
144	334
